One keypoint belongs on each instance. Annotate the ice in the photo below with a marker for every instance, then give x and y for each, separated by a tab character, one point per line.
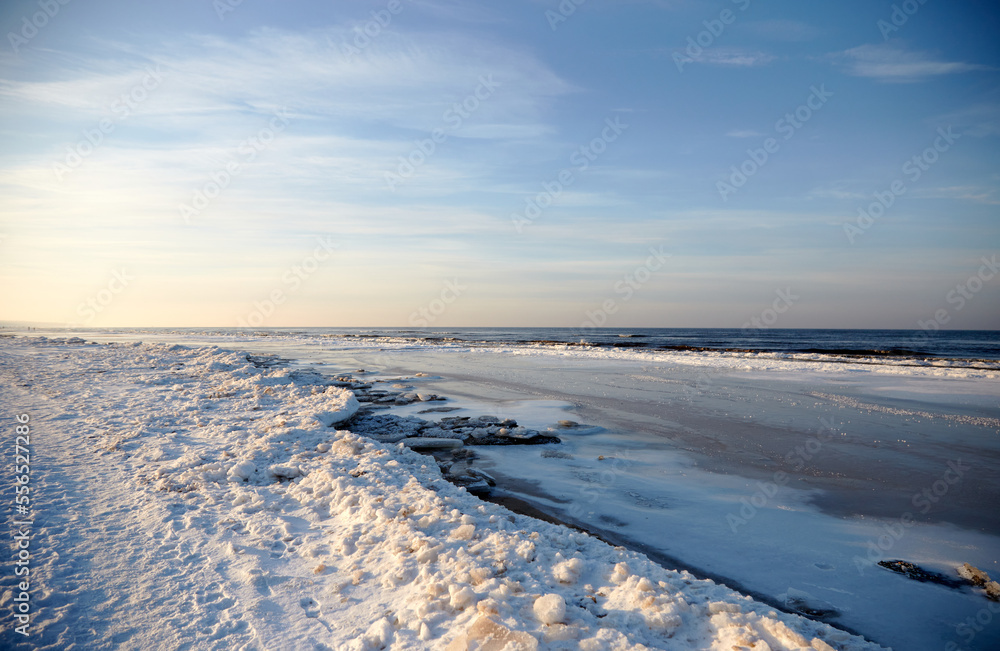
568	572
550	609
223	514
334	406
487	635
683	459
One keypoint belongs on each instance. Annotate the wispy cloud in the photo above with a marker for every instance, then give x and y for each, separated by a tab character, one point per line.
403	82
719	56
737	57
979	120
350	120
972	193
354	160
891	63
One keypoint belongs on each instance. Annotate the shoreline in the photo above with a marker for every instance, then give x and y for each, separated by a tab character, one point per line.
527	508
877	581
687	430
292	498
685	505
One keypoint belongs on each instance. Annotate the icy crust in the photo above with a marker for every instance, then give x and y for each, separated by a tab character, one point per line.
354	544
451	566
218	393
773	361
750	361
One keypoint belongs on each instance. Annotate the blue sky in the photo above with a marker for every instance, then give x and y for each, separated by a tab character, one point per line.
430	162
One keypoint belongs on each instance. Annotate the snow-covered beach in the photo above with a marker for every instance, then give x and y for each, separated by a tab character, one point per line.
186	497
500	326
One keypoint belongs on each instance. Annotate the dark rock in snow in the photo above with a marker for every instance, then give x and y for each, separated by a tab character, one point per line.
807	604
980	579
484	430
973	575
435	410
917	573
535	438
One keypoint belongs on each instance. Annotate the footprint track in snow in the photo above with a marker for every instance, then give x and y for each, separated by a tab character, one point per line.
310	606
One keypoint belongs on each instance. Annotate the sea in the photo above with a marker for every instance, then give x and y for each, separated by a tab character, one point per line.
966	345
903	346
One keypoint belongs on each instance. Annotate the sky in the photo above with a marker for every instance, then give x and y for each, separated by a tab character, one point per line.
445	163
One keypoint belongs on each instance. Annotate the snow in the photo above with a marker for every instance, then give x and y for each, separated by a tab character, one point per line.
550	609
192	499
685	445
657	479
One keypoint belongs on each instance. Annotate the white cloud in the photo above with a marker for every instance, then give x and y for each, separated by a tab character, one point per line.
719	56
891	63
972	193
397	81
978	120
349	122
737	57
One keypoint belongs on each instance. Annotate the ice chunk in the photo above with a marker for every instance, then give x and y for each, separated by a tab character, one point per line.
335	405
526	550
620	573
717	607
378	635
461	597
820	645
973	575
492	636
464	532
550	608
568	571
242	471
285	471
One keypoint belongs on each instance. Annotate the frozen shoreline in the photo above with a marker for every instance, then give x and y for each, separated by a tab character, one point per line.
706	429
284	533
690	465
